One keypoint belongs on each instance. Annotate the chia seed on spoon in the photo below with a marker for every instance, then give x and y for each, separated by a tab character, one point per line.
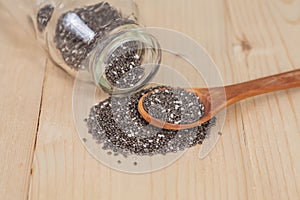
174	105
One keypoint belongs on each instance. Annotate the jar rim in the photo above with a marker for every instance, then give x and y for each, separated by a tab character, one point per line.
110	44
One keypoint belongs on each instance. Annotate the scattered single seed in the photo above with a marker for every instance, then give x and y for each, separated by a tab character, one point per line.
84	139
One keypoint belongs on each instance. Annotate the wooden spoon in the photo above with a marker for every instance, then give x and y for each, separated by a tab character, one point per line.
234	93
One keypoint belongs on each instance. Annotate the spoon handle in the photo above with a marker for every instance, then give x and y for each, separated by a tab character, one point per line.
263	85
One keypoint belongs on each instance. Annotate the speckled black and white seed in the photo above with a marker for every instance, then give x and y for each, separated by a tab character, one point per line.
117	125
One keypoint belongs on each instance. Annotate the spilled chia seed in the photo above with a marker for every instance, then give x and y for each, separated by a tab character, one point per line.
117	124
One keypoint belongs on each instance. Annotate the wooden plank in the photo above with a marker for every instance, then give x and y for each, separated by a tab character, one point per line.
270	122
224	173
257	155
21	78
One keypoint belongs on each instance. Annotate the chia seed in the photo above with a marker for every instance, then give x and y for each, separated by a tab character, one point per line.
174	105
43	17
123	68
100	19
80	30
93	24
117	125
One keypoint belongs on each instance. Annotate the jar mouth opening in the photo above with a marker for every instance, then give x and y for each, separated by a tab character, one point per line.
126	61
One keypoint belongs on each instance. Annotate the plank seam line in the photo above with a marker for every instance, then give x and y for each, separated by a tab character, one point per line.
37	128
246	50
40	108
243	127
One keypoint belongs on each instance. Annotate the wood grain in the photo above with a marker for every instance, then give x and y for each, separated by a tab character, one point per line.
256	158
21	78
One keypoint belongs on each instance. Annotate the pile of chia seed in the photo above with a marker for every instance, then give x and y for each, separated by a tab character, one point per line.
117	124
174	105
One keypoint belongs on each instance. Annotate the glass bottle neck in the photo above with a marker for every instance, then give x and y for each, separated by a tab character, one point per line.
130	50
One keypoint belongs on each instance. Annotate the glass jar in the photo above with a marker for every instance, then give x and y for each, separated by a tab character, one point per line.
118	53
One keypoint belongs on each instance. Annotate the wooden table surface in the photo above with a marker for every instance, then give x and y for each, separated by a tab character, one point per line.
257	157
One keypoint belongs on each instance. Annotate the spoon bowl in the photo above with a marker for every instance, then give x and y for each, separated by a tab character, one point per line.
234	93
